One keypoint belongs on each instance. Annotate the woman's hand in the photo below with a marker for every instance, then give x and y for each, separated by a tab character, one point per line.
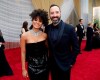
0	43
24	73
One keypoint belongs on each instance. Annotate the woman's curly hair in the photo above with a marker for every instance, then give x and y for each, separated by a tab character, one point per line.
42	14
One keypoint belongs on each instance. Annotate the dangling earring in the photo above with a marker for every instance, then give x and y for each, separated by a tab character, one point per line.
43	28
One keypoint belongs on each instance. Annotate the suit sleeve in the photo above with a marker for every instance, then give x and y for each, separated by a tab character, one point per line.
74	43
77	32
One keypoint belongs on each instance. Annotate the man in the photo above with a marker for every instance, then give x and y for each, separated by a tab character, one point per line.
63	45
80	32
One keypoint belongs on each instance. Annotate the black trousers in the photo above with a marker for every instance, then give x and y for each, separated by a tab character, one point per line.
57	73
80	41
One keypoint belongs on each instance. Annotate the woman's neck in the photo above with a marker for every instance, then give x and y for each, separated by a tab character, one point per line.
36	30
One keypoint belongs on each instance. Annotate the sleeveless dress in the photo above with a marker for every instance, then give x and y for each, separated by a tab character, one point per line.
37	60
5	69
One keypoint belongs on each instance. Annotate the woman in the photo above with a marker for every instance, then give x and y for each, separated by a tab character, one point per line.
96	36
89	36
24	27
33	43
5	69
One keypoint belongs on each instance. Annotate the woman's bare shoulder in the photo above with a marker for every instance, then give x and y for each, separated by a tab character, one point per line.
25	34
45	35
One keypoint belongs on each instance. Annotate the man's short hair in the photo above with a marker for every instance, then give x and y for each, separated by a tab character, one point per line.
52	5
80	20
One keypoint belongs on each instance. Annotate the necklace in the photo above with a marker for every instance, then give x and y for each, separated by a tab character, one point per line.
35	33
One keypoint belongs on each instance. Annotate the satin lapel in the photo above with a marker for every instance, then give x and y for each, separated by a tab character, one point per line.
60	32
59	35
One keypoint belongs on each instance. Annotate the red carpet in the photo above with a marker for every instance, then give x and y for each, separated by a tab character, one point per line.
87	65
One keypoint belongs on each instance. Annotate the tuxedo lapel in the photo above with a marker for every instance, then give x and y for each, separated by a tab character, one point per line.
60	32
59	35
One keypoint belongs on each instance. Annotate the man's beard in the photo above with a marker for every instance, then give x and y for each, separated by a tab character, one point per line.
55	22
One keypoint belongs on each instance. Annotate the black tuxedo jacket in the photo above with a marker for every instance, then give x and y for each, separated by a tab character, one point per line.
80	31
65	49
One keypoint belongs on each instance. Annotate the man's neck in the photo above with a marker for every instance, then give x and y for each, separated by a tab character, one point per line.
81	24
